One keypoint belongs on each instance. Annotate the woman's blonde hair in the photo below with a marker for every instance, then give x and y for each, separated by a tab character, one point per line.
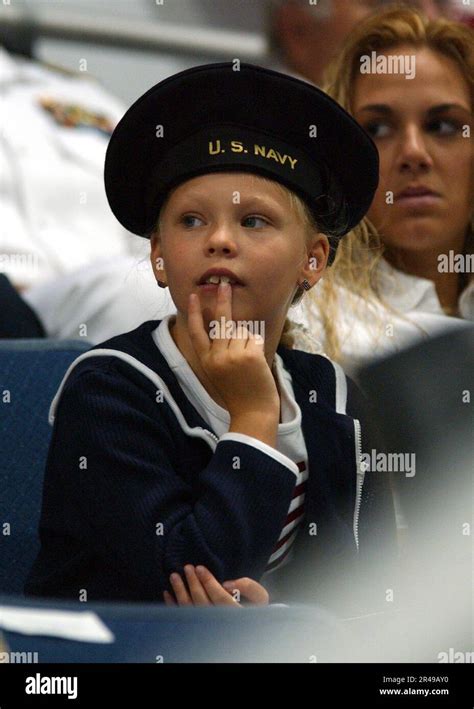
360	251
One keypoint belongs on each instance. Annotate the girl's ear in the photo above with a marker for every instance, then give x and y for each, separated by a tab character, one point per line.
316	259
156	258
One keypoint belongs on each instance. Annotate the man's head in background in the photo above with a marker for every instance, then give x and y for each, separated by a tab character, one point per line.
306	34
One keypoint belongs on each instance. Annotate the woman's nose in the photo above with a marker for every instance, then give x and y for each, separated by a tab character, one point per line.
413	152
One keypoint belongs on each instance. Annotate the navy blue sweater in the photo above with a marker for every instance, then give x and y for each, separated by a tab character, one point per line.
136	486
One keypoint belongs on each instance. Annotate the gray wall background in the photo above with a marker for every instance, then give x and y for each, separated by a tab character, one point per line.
128	73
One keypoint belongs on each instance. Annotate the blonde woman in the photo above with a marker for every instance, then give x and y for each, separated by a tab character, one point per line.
406	272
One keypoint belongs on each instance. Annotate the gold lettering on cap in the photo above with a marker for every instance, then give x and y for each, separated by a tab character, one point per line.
237	146
272	154
214	150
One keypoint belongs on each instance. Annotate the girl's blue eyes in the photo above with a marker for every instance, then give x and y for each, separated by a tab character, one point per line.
259	219
443	127
185	219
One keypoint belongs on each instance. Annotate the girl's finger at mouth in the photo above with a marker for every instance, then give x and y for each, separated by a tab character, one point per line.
223	302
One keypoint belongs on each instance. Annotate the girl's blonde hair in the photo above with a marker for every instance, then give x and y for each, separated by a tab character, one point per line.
309	226
360	251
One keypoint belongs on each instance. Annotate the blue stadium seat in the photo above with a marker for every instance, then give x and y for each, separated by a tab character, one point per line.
30	373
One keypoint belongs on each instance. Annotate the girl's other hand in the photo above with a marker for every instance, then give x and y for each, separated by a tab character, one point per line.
203	589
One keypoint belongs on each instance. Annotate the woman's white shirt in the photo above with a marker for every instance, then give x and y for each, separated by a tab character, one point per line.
370	329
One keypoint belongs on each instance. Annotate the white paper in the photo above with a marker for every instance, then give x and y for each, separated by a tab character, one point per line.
85	626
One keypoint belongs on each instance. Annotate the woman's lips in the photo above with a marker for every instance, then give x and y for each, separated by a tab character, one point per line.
429	199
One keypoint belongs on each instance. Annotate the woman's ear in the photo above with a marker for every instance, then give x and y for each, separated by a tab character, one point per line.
315	261
156	259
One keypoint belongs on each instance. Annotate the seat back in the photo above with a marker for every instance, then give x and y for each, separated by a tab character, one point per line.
30	373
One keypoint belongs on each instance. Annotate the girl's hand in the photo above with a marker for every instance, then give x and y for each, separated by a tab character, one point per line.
235	365
203	589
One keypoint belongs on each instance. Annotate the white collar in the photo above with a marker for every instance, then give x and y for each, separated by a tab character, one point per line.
405	292
180	367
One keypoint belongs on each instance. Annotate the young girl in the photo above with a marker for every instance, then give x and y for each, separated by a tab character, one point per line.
188	443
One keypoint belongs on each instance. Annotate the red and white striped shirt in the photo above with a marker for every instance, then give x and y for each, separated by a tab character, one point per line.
282	552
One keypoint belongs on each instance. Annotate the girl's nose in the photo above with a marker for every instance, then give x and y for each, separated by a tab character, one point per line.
221	240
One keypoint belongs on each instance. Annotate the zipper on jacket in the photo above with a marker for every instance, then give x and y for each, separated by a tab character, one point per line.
207	435
359	479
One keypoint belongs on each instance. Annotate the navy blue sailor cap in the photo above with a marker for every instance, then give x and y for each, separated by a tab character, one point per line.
240	117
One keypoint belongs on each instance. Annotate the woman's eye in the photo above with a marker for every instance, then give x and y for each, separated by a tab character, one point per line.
254	219
377	129
187	220
443	127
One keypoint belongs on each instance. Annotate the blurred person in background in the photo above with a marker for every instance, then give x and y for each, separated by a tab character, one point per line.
304	36
57	233
407	272
55	129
